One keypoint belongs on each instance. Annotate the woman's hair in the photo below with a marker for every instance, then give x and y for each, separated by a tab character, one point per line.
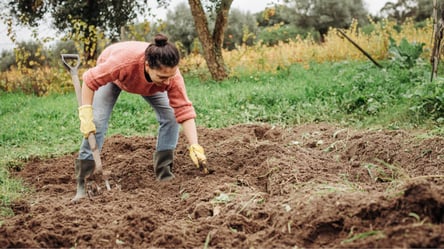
161	53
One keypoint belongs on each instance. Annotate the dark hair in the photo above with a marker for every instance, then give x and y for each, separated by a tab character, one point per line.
161	53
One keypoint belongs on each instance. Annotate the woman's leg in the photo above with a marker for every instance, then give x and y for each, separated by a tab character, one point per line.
168	133
104	99
167	138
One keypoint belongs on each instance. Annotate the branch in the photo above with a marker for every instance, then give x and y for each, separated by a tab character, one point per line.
360	49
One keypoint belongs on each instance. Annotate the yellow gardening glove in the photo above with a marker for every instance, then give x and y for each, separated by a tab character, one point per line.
86	120
198	157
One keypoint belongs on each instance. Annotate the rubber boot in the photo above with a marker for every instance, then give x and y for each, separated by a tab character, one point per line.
163	164
83	169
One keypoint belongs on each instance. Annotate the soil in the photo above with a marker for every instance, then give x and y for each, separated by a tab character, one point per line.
308	186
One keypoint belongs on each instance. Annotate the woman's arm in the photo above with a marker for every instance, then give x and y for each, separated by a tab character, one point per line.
87	95
189	129
197	152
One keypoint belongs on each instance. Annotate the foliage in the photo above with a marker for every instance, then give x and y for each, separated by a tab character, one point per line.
180	26
405	54
322	15
137	32
7	60
401	10
31	74
428	101
245	60
39	82
280	33
88	19
241	30
30	55
356	94
349	93
106	15
279	13
87	39
60	47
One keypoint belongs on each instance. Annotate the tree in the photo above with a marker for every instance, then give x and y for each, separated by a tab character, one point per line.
275	15
322	14
280	23
419	10
212	42
180	26
424	10
106	15
400	10
110	15
241	29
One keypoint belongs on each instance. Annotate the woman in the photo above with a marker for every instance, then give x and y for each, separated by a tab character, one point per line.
150	70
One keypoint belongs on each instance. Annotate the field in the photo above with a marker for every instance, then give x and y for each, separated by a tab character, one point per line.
307	186
328	152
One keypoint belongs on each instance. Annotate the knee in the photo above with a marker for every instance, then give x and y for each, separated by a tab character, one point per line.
168	122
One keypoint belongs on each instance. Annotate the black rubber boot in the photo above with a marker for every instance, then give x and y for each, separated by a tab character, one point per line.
83	169
163	164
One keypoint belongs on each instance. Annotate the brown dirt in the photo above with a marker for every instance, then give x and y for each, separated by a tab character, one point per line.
309	186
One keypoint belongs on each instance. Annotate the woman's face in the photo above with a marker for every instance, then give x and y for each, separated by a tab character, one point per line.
161	76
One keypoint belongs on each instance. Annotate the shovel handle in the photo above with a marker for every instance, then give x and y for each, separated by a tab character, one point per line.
74	74
73	70
71	57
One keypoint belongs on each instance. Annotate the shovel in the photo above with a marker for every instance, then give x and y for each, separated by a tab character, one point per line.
98	170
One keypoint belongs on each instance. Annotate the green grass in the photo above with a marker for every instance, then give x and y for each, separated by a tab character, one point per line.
348	93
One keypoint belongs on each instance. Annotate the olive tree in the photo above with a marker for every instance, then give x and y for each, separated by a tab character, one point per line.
321	14
103	15
400	10
212	41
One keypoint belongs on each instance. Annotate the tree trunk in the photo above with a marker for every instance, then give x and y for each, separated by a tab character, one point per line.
212	44
438	30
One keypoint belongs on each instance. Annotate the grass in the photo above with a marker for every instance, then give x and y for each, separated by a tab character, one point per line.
348	93
373	233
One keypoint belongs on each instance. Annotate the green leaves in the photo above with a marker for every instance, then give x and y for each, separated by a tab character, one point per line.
405	54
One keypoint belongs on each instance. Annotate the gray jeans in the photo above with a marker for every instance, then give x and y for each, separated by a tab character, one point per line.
104	100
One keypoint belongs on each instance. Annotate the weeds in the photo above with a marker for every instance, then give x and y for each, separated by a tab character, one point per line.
385	172
375	234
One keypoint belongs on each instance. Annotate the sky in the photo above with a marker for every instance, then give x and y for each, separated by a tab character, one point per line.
252	6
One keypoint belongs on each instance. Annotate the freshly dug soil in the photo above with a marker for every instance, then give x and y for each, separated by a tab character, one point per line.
307	186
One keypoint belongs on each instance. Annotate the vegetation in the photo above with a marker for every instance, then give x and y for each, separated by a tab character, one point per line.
350	93
358	94
243	60
321	15
296	81
210	18
108	16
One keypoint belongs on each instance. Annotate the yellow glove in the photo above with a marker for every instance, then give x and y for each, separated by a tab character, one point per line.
198	157
86	120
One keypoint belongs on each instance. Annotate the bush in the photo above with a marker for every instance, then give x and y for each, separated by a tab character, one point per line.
271	36
7	60
428	101
30	54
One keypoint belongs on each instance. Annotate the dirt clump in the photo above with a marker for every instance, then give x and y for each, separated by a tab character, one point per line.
310	186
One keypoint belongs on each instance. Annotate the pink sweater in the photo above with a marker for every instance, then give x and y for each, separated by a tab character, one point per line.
123	63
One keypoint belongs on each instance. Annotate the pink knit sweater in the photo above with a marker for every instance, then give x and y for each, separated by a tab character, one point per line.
123	63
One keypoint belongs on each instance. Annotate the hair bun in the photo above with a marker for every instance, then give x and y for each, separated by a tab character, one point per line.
160	40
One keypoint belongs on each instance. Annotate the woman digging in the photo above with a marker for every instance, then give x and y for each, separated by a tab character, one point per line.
150	70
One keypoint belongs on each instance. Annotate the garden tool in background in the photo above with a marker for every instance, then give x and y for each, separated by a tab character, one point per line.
85	168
